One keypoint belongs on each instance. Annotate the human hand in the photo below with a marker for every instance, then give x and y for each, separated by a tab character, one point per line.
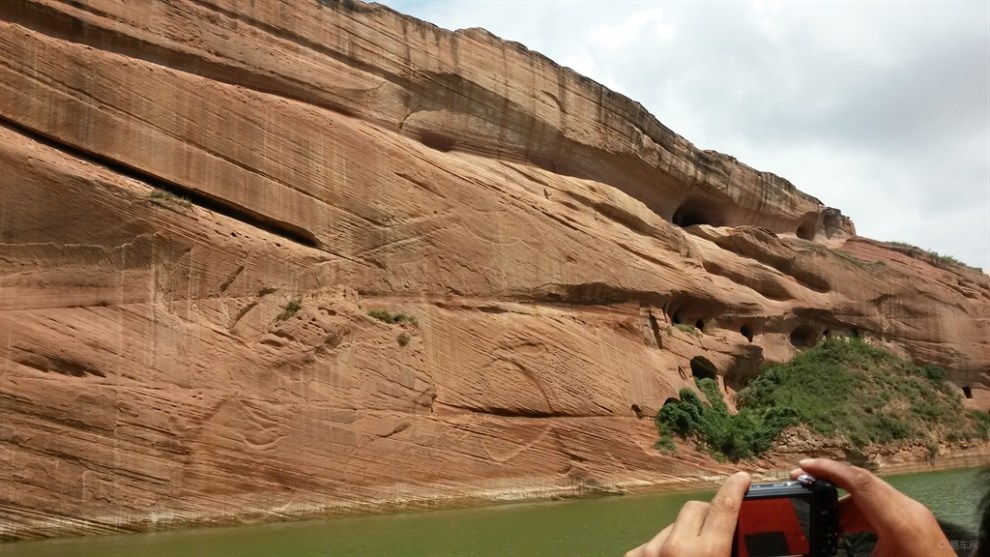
904	527
701	529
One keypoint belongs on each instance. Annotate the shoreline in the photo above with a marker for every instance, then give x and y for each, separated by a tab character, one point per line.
60	528
968	459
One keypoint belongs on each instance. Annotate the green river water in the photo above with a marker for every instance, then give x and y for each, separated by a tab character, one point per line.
590	527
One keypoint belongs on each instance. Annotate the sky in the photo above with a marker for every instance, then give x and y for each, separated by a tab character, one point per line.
880	109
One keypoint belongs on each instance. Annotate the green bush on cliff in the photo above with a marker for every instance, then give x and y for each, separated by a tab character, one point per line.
685	328
848	388
709	388
981	423
665	445
841	388
165	198
393	318
932	256
291	308
716	430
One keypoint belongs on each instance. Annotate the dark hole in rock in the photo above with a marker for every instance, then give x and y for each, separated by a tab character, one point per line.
676	319
700	324
440	142
702	368
803	336
805	232
689	216
747	332
967	392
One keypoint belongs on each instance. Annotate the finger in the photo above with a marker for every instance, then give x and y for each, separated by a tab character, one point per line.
637	552
656	544
851	519
874	497
724	509
652	547
903	526
689	520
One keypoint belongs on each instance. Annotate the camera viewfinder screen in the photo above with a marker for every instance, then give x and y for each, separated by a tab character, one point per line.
777	527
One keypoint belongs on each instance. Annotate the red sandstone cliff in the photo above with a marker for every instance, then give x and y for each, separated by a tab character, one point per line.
543	230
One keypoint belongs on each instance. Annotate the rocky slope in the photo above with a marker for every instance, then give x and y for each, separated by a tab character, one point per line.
203	199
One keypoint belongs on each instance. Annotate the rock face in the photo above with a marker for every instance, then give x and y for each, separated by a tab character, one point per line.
203	199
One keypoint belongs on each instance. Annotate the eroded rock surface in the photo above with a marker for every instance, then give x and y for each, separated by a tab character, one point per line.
203	199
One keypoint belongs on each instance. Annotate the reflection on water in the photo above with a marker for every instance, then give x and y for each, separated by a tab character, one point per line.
594	527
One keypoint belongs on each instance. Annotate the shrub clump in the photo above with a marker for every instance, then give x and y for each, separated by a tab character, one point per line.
163	197
867	395
291	308
842	389
393	318
931	255
685	328
665	445
722	434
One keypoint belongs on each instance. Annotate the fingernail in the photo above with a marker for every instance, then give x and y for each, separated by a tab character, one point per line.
804	461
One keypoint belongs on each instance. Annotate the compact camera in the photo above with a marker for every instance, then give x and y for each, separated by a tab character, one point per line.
787	519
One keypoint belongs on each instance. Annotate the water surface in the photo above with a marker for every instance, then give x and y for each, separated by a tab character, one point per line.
591	527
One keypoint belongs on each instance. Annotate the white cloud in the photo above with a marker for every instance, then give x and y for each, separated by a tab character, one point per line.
581	62
639	25
880	109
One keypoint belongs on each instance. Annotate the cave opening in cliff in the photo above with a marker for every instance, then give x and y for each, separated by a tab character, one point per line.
676	318
700	324
805	232
702	368
803	336
690	215
967	392
747	332
808	228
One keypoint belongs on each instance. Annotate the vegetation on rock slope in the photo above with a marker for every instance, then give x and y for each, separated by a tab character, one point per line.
933	256
845	390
